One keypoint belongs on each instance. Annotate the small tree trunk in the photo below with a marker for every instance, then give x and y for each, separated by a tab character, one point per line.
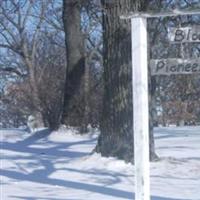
75	58
152	106
86	98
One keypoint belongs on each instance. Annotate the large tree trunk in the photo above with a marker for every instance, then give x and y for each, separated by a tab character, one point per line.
75	61
116	138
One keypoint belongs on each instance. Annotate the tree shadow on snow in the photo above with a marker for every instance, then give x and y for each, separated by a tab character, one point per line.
33	198
46	158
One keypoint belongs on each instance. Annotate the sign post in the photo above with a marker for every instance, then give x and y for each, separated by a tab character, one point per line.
140	107
140	86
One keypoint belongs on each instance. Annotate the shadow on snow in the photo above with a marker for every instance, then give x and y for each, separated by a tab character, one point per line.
45	156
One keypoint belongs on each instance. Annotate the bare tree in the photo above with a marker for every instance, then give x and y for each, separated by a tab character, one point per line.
23	26
116	137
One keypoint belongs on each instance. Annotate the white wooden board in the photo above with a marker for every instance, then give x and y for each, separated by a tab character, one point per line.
184	34
175	66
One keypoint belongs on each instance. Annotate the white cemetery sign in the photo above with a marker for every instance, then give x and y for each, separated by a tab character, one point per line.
184	34
140	97
174	66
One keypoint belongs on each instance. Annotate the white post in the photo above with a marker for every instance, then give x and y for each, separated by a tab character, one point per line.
140	107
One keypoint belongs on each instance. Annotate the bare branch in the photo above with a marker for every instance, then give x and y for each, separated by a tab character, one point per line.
12	70
5	14
27	14
41	19
11	33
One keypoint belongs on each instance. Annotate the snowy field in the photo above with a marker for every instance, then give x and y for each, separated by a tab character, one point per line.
60	167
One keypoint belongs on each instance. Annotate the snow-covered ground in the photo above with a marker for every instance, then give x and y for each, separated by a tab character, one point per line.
60	167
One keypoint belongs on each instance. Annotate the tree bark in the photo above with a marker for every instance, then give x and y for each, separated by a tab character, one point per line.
116	138
75	59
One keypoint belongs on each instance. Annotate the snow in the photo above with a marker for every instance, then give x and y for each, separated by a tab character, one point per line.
60	166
